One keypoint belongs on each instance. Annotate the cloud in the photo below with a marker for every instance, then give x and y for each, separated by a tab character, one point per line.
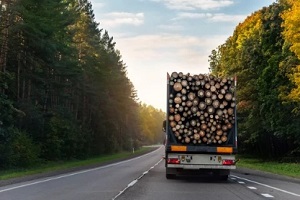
171	27
122	18
195	5
98	5
168	50
218	17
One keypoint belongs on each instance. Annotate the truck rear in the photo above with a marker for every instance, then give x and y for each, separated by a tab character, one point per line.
201	125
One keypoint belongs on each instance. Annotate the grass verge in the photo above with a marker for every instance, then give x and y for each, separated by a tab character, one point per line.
63	165
286	169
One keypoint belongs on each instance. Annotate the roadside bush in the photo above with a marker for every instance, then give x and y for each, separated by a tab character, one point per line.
22	151
64	139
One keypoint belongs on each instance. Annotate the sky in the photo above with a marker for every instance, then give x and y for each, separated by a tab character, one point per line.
156	37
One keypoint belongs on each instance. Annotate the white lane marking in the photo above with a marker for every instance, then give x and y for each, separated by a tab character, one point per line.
252	188
233	178
241	182
146	172
135	181
267	195
76	173
268	186
132	183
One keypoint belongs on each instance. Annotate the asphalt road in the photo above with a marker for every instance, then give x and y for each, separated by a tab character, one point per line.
143	178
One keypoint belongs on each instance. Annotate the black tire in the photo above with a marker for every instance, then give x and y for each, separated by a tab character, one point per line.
170	176
224	177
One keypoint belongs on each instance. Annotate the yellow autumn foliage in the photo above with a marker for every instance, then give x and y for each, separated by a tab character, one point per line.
291	24
291	34
249	28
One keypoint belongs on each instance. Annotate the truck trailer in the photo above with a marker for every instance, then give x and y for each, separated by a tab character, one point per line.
200	125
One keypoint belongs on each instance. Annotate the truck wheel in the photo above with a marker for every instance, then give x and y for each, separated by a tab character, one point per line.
224	177
170	176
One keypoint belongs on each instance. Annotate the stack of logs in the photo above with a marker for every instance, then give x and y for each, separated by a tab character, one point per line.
201	108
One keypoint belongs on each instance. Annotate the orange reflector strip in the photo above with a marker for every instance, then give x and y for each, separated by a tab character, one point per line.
178	148
224	149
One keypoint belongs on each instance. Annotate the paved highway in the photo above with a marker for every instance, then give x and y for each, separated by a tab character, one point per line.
143	178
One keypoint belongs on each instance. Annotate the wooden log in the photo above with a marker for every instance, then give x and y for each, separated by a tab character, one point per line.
216	103
180	109
194	109
207	86
177	117
202	105
220	96
191	96
189	103
202	133
201	76
180	74
219	132
230	111
196	101
197	136
184	83
210	109
208	101
224	138
177	100
228	96
174	74
214	96
208	93
177	86
193	123
172	124
187	140
203	127
171	110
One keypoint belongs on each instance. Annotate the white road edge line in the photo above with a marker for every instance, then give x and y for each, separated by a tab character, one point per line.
135	181
262	184
76	173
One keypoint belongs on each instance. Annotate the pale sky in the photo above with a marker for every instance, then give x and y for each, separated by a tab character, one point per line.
160	36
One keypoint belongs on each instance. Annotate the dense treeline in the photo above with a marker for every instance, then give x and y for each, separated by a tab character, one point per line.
64	90
264	54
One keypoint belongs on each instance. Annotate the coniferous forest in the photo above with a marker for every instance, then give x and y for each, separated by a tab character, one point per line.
264	54
64	90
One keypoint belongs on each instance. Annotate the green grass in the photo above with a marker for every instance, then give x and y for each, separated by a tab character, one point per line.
286	169
62	165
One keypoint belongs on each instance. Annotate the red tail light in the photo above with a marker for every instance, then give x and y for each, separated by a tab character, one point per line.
228	162
173	161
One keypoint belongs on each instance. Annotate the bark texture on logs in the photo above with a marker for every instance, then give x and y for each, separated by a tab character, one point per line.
201	108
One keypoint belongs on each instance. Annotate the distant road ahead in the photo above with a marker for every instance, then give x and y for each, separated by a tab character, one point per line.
143	178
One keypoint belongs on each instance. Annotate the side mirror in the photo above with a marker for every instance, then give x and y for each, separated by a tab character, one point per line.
164	126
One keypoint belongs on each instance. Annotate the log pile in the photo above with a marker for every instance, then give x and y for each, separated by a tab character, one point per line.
201	108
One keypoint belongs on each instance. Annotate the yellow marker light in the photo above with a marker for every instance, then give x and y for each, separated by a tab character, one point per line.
224	149
178	148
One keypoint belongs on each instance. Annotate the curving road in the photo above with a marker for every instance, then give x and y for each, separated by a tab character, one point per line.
143	178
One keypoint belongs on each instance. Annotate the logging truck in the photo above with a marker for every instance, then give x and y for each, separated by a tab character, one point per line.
200	125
